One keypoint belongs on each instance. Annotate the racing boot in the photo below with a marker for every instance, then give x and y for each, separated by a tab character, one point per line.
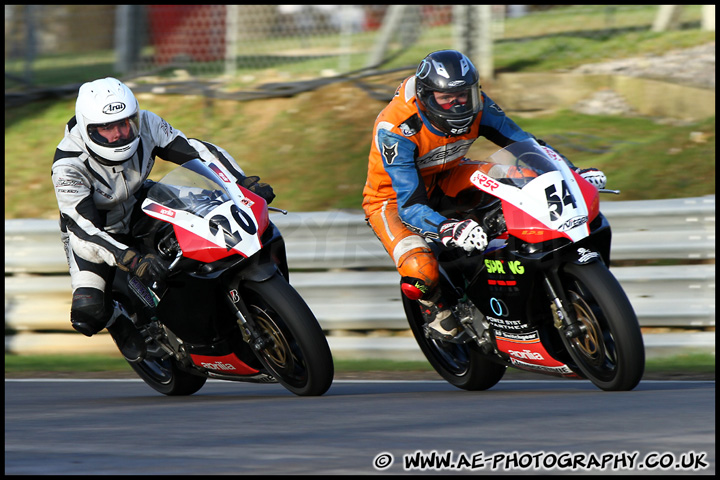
440	322
128	339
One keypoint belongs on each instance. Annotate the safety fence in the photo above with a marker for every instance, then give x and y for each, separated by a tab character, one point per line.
64	45
663	254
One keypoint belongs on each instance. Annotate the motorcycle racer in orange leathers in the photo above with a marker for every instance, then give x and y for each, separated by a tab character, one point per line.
420	140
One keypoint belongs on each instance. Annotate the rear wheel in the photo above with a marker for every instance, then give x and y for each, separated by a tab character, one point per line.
161	372
610	350
295	349
461	365
165	376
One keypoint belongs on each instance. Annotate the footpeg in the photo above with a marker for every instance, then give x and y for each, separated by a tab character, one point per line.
435	335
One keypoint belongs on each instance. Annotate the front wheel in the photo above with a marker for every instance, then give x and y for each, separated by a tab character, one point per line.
295	349
462	365
610	350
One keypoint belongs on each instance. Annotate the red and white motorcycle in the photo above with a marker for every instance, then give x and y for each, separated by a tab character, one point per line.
541	297
226	310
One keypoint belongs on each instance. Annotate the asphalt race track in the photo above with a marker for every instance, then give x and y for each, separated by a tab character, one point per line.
122	427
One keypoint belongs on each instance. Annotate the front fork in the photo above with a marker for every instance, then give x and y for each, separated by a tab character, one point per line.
563	321
245	321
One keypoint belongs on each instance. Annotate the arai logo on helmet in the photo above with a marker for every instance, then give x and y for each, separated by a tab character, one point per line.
456	83
114	107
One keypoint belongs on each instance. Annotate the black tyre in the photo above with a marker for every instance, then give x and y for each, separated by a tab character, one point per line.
610	352
158	370
461	365
296	351
164	375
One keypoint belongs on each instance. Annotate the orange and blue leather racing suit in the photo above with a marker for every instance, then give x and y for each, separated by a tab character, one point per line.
409	158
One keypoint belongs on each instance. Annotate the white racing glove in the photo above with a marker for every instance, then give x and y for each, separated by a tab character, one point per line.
594	176
466	234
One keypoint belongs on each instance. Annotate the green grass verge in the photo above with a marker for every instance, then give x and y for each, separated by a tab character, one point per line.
313	147
691	363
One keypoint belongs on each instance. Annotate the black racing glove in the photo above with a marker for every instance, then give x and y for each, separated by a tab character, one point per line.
149	268
254	185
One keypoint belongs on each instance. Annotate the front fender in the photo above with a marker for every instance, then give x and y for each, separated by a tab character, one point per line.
271	258
595	247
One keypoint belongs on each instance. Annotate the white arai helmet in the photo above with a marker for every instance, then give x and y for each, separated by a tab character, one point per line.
107	114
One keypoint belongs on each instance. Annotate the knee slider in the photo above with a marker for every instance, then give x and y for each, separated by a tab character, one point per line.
413	288
88	313
420	267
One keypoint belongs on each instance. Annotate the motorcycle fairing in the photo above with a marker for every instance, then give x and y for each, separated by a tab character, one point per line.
526	351
544	209
227	364
211	215
542	199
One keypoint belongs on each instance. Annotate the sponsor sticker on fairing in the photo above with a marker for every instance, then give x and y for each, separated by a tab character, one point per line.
526	351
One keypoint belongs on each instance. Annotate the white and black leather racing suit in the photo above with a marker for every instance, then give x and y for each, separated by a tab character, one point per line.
97	200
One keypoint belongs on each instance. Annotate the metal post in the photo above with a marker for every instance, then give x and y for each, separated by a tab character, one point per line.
390	25
667	18
474	36
31	39
128	38
345	39
231	38
708	18
483	58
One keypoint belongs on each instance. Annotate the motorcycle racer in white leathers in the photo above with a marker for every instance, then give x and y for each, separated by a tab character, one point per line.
100	175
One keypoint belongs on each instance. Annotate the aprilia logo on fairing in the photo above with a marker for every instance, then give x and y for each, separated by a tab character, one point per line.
527	354
218	366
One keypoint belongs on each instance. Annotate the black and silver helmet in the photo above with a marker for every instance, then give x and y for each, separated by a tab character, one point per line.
448	72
